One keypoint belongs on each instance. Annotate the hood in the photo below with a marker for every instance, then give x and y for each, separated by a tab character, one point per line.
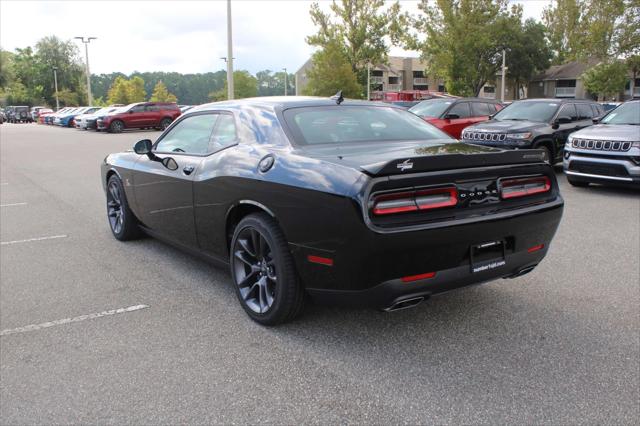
617	132
379	158
506	126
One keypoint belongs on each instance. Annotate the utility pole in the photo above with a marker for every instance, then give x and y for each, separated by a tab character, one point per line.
55	85
86	42
285	81
229	53
504	71
368	81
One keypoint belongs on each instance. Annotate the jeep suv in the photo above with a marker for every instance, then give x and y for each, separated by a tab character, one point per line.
535	123
140	115
453	115
608	152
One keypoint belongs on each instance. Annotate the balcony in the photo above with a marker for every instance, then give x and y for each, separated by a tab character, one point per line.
420	81
394	87
377	79
565	92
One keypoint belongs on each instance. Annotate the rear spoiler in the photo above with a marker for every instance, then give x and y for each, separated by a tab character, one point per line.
437	162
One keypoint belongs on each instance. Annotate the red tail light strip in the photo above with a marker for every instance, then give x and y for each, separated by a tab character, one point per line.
425	199
321	260
513	188
535	248
412	278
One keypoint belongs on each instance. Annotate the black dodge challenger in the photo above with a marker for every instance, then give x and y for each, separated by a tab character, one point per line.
344	201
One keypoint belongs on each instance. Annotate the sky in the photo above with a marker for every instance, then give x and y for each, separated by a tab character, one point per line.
182	36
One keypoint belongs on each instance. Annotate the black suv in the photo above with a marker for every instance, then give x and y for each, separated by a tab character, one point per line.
535	123
18	114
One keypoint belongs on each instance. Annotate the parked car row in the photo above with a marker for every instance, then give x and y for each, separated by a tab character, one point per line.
114	118
607	152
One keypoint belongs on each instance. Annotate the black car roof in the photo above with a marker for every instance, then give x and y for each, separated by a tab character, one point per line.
558	100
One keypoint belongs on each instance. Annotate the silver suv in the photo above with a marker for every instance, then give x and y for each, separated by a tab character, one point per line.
608	152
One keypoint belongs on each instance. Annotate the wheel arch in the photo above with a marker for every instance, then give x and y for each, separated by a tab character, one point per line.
240	210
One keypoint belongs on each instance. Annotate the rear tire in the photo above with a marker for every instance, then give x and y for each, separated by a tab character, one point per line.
547	156
122	221
116	126
263	271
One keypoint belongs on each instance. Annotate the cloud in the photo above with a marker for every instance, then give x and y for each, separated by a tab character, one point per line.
182	36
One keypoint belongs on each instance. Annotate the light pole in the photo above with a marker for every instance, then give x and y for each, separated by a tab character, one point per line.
55	85
504	71
368	81
285	81
86	41
229	53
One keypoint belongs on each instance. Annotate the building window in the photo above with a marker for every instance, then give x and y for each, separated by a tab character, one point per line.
418	74
420	87
489	89
441	88
394	80
376	73
565	88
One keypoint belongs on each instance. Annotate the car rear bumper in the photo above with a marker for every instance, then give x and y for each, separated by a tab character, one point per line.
379	270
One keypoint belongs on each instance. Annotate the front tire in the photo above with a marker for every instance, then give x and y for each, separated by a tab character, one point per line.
122	221
547	156
116	126
165	123
263	271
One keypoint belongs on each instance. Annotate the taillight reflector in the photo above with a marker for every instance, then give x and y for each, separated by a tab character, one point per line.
513	188
321	260
424	276
535	248
424	199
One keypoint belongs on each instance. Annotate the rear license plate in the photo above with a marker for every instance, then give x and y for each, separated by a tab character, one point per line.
486	256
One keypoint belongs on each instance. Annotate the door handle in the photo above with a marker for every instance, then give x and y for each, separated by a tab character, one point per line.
187	170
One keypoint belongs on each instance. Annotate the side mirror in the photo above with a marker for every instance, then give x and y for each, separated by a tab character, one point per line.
561	120
170	163
451	116
143	147
597	119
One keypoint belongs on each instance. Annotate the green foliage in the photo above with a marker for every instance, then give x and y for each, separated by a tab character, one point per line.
100	102
462	41
361	26
527	53
272	83
119	92
633	64
602	29
606	79
161	94
135	90
244	86
330	72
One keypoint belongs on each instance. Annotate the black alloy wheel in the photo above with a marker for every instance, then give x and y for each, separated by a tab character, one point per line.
116	126
165	123
263	271
123	223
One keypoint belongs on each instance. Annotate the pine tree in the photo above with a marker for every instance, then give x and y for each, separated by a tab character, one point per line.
161	94
135	90
118	93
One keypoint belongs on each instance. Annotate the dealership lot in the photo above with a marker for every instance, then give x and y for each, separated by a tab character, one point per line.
560	345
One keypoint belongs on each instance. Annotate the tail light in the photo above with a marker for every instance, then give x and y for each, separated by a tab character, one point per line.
409	201
522	187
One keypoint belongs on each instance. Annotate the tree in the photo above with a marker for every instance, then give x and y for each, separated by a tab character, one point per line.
135	90
566	30
606	79
462	41
330	72
627	37
361	26
244	86
633	64
528	53
272	84
118	93
161	94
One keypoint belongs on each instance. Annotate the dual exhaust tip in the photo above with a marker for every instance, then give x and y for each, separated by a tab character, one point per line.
405	304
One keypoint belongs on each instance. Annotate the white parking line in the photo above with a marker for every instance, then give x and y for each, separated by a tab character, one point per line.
6	243
34	327
13	204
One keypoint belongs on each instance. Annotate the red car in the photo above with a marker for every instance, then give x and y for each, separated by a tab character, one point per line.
453	115
140	115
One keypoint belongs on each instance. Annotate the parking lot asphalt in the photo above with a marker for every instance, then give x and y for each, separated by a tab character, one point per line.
560	345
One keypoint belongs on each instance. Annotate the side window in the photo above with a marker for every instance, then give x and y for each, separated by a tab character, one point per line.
152	108
461	110
137	108
584	111
191	135
480	108
224	133
568	110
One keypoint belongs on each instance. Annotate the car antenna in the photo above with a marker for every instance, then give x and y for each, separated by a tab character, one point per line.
338	97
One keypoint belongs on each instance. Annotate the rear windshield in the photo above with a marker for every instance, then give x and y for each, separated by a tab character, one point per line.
628	113
347	123
530	111
431	108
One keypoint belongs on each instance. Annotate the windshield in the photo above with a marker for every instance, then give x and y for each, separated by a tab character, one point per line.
531	111
344	124
431	108
628	113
